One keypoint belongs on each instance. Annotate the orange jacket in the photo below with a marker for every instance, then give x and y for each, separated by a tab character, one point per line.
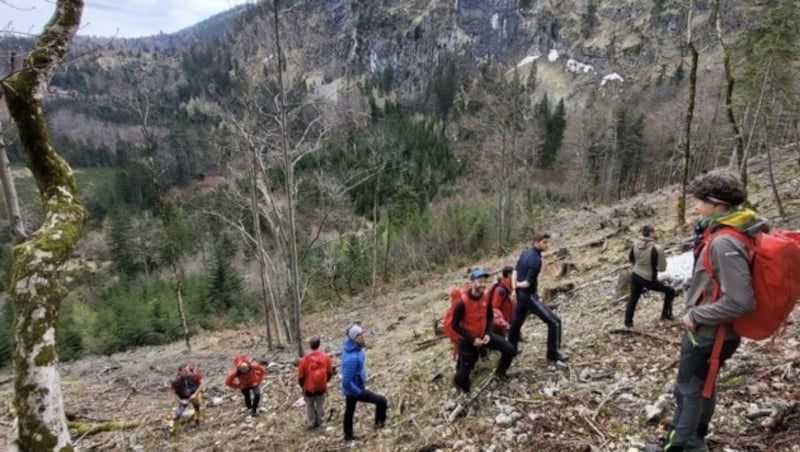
474	320
304	372
252	377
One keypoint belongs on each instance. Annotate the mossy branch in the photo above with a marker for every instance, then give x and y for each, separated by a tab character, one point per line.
87	428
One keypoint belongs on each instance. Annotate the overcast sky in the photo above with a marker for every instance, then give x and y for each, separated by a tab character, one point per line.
121	18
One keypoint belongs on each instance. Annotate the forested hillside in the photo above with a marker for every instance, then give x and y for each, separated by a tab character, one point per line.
279	171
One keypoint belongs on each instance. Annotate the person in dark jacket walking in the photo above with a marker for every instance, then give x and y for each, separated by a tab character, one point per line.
648	259
187	389
710	313
354	380
472	320
527	273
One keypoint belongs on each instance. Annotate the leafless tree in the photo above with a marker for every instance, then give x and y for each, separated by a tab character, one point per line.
687	143
36	287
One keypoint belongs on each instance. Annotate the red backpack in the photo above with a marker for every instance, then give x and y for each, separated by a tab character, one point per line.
455	296
775	269
316	381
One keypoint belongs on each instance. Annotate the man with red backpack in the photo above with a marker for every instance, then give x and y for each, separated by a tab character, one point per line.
186	387
503	302
246	376
313	373
472	321
721	291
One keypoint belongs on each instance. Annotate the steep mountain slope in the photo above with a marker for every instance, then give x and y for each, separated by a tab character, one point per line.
596	402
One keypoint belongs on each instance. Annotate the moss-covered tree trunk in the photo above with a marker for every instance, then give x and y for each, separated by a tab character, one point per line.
36	289
687	144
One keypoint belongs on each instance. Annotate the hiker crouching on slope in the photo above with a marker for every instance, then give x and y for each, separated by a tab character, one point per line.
354	380
711	310
472	321
648	259
186	387
313	374
247	375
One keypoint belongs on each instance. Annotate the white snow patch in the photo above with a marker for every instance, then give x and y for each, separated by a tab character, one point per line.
495	21
528	60
552	55
373	62
612	77
577	67
679	268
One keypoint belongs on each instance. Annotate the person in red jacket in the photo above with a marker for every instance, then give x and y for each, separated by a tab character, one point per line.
503	301
472	320
247	375
313	373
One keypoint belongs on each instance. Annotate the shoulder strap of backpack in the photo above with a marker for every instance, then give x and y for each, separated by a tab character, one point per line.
654	262
719	338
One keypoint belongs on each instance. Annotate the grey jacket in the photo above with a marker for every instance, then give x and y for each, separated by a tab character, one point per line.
643	258
732	269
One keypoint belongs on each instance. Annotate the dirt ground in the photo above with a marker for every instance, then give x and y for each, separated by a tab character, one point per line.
597	401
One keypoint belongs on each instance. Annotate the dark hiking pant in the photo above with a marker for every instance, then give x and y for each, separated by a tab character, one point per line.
693	412
255	393
468	356
638	285
531	303
350	409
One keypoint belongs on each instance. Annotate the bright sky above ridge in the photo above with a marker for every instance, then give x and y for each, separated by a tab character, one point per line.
120	18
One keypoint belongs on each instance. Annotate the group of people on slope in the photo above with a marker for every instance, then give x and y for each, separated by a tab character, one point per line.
712	303
513	297
314	371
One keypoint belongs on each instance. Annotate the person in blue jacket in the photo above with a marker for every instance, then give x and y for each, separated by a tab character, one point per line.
354	379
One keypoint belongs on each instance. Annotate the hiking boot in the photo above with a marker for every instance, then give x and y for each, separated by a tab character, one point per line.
501	375
667	317
629	325
379	425
558	356
351	438
459	386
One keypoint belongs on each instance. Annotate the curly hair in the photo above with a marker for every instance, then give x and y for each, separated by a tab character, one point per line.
719	187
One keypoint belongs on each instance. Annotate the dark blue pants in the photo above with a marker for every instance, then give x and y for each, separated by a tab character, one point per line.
531	303
350	409
252	403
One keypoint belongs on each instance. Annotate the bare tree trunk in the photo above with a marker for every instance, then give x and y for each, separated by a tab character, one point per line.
375	235
36	288
687	145
746	153
741	162
10	192
294	268
262	265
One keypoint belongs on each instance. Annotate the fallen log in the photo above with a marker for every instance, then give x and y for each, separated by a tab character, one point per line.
87	428
465	403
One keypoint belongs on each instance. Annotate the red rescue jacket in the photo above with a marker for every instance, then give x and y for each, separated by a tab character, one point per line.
252	377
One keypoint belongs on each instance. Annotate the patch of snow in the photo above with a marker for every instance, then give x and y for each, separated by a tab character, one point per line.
679	268
528	60
495	21
553	55
612	77
577	67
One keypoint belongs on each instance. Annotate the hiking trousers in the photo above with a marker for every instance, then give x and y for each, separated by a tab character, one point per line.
693	412
638	285
531	303
468	356
315	409
350	409
252	396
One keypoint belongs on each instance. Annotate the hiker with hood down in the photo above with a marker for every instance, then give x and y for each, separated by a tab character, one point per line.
246	376
710	310
648	259
354	380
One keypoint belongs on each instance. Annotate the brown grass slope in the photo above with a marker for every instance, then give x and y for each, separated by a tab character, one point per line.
596	402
